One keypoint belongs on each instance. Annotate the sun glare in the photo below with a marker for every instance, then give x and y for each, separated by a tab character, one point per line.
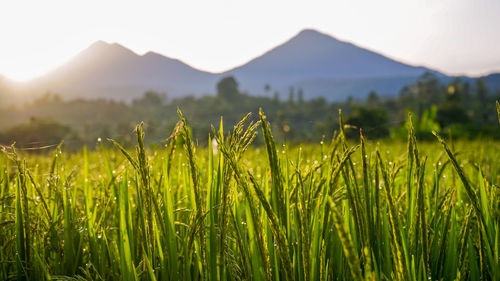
25	66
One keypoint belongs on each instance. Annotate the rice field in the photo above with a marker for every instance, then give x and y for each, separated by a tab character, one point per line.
337	210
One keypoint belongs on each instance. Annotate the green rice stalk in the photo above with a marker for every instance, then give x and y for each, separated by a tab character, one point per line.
400	259
367	194
409	172
20	237
190	150
276	229
278	198
468	188
346	240
498	111
243	183
421	210
126	259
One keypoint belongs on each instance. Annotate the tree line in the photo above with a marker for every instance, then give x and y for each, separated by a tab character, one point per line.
460	108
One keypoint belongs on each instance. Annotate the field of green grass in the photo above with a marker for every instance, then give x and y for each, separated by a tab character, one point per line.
337	210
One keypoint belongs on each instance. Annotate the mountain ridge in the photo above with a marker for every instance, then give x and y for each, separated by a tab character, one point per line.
298	60
318	63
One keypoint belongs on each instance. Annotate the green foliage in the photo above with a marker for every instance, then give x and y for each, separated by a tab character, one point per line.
451	113
39	133
498	111
227	89
468	110
229	211
149	99
373	120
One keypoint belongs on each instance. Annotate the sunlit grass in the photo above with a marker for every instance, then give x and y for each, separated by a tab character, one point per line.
339	210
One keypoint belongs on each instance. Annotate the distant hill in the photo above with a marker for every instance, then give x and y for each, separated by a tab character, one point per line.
493	81
319	64
112	71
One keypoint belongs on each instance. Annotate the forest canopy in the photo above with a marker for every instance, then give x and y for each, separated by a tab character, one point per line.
459	108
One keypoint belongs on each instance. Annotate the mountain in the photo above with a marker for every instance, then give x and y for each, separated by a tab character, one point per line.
106	70
312	57
492	81
317	63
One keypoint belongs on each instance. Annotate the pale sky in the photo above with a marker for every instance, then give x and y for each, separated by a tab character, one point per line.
454	36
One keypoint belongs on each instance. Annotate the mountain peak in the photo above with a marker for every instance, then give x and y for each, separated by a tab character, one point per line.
310	34
101	47
99	44
153	55
307	31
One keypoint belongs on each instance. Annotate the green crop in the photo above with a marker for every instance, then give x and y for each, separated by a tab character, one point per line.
346	210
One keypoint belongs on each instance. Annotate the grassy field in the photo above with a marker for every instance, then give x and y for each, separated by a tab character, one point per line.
337	210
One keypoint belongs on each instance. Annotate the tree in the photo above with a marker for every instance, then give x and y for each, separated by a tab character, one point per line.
150	99
373	121
227	89
466	90
451	113
454	91
40	132
428	91
481	91
267	88
372	99
300	96
482	98
291	96
276	98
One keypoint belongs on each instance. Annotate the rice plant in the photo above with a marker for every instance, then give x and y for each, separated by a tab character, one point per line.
338	210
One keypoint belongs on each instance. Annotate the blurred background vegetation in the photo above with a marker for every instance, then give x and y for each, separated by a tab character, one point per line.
461	109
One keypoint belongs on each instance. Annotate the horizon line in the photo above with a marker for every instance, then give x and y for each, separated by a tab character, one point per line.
403	61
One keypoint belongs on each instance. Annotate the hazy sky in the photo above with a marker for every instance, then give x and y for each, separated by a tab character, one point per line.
454	36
